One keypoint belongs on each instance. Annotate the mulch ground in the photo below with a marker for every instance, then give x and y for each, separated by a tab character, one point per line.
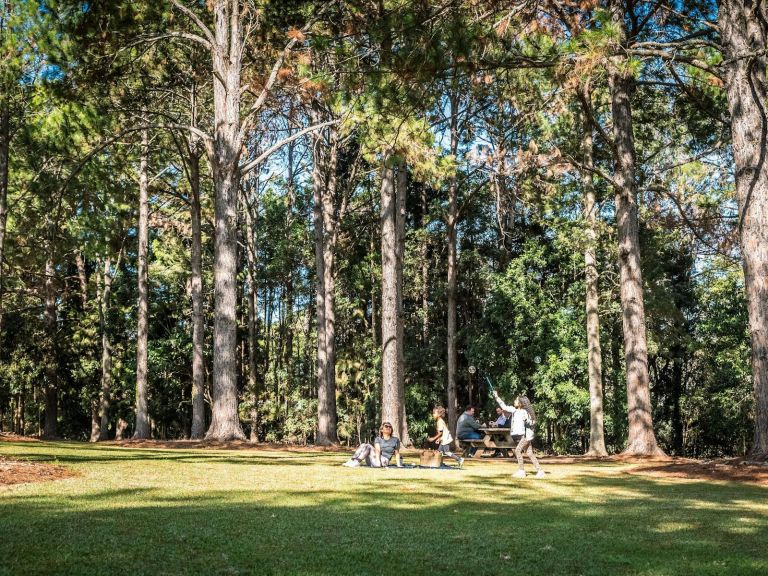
21	471
8	437
734	469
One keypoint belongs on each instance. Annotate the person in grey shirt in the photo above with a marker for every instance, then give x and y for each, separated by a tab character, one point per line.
384	449
468	428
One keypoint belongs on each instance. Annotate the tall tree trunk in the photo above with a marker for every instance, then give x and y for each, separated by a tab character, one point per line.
51	368
595	358
106	347
324	188
641	438
424	261
253	383
83	281
142	429
289	288
5	137
744	33
677	392
401	191
198	313
391	397
451	223
374	283
227	63
95	422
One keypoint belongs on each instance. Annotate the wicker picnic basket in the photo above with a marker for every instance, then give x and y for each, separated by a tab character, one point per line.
431	459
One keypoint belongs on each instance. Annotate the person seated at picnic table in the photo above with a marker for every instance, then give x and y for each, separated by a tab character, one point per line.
502	421
468	428
379	454
503	418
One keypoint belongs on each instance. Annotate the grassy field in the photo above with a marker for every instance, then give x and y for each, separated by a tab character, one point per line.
155	511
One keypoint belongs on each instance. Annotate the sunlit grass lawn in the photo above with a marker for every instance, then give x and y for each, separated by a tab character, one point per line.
153	511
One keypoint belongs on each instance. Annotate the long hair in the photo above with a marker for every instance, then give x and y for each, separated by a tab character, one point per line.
528	407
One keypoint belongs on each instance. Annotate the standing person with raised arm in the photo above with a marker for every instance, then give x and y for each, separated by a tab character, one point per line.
523	423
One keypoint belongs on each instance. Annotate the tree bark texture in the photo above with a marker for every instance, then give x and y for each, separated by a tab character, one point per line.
744	34
5	137
198	313
142	430
391	398
253	382
95	422
451	223
106	348
595	356
289	281
401	190
424	263
324	192
82	278
227	64
641	439
393	183
51	367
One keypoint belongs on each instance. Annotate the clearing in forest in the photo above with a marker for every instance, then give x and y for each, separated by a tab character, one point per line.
155	510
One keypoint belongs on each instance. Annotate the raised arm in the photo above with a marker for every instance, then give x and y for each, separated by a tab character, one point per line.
501	403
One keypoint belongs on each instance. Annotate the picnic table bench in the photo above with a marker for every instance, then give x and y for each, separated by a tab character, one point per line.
495	439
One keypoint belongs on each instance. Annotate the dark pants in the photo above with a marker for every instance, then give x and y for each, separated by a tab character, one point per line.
473	435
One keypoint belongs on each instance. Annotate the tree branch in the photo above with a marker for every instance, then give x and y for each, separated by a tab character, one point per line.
247	167
180	35
199	23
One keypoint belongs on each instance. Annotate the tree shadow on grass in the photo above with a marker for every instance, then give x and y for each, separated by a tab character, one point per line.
581	524
80	453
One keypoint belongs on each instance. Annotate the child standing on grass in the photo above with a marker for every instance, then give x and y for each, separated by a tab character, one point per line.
523	423
443	437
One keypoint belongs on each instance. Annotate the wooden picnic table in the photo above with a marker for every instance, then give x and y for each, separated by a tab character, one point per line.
496	439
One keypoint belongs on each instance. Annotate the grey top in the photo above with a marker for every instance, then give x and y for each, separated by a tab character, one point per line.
466	424
387	445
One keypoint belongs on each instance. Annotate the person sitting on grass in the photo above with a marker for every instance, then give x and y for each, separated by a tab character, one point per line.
379	454
523	422
443	437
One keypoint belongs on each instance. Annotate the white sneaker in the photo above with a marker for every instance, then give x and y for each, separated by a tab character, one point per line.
351	463
540	474
519	474
461	461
